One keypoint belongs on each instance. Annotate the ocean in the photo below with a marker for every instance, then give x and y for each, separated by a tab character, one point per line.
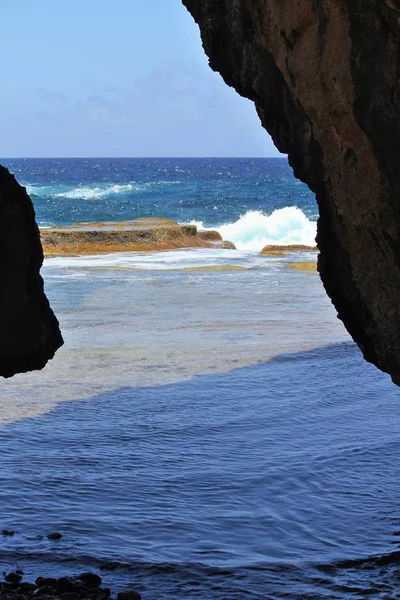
203	434
239	194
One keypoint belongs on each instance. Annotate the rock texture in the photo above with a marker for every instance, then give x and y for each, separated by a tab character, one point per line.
210	236
30	333
325	79
139	235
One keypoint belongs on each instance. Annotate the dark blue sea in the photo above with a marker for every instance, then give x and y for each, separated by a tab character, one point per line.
258	199
204	433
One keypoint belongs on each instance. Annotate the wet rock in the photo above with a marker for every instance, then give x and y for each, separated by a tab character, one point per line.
10	587
274	248
71	596
54	536
46	581
100	594
85	586
67	584
27	588
129	595
45	590
90	580
13	577
210	236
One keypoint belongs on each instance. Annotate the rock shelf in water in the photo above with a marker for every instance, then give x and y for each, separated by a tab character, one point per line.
279	250
139	235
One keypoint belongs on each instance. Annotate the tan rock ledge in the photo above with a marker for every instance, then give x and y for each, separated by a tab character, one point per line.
139	235
308	267
279	250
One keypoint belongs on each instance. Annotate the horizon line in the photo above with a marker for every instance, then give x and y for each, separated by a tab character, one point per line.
139	157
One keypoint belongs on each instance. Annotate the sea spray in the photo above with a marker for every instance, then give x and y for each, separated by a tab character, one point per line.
254	230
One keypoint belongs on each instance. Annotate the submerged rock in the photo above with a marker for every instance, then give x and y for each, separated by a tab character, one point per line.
30	333
324	80
309	267
272	249
8	532
54	536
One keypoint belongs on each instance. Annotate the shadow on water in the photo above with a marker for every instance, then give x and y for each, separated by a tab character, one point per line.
272	481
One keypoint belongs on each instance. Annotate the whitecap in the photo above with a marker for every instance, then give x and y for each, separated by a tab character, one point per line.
254	230
97	191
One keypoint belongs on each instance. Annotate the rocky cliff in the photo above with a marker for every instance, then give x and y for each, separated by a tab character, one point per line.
325	79
29	330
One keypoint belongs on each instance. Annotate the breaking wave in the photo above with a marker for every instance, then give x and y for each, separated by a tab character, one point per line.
254	230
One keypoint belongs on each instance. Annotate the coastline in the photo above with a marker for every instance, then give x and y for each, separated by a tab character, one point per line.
142	235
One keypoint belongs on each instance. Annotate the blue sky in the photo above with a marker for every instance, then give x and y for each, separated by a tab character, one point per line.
127	78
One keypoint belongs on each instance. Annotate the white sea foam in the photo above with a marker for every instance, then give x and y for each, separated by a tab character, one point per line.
95	192
149	261
36	190
254	230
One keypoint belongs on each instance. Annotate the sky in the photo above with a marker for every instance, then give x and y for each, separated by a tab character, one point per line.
124	78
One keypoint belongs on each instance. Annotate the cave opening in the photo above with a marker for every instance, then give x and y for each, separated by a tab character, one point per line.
208	429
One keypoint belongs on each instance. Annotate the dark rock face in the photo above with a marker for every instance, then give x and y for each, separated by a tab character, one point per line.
324	77
30	334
